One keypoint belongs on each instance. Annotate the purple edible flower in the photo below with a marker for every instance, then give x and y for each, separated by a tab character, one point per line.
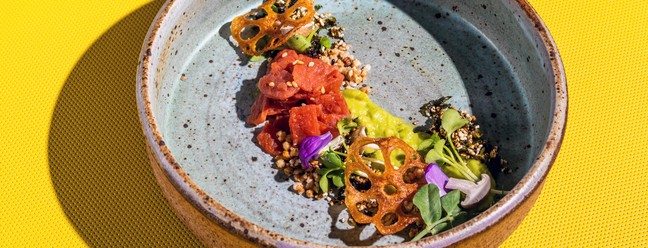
311	147
434	175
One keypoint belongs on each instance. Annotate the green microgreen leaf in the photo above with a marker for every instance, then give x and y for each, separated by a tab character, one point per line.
428	144
346	125
450	202
436	154
333	168
338	179
452	120
310	36
324	171
298	43
439	146
425	145
331	160
325	42
257	58
318	7
323	183
327	173
428	201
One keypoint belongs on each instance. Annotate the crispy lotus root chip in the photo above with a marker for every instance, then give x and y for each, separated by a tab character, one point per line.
388	189
274	29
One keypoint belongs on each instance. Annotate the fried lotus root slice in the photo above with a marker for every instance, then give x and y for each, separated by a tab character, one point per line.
274	29
388	188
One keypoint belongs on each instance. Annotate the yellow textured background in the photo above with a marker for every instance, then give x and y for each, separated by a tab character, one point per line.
74	172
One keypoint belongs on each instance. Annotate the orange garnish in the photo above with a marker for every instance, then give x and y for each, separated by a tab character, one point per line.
389	201
270	26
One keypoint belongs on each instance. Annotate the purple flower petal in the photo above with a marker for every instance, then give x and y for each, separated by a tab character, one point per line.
311	147
434	175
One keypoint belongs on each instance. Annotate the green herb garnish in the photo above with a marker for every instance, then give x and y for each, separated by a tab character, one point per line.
432	207
425	145
444	155
345	125
333	169
257	58
325	42
298	43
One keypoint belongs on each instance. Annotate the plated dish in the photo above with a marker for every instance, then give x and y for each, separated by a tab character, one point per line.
326	134
198	86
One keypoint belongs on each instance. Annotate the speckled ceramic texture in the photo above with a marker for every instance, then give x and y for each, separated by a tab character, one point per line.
494	58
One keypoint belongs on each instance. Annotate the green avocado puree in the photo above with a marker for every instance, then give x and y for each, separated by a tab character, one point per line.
378	122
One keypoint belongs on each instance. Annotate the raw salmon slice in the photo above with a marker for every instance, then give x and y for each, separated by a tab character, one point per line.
303	122
277	85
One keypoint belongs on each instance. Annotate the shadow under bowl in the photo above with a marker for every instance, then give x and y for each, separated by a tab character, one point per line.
494	57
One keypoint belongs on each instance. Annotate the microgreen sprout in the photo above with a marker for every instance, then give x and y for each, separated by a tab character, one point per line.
432	206
345	125
326	42
298	43
444	155
310	36
333	168
257	58
331	160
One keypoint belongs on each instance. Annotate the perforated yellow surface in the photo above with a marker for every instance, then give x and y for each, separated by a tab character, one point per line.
74	171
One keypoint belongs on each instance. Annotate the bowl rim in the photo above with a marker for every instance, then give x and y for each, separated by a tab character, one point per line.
228	219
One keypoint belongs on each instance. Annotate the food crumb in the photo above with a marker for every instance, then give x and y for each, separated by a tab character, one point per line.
352	69
336	32
298	187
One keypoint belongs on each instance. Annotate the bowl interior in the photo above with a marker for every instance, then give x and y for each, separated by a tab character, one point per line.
486	55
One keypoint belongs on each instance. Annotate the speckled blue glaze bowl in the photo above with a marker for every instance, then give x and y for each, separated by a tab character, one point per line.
495	57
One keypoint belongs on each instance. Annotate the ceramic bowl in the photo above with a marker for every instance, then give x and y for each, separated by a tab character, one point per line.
495	58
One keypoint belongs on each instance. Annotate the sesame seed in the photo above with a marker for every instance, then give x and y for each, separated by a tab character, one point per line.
289	84
294	83
298	62
311	64
271	84
284	55
323	90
